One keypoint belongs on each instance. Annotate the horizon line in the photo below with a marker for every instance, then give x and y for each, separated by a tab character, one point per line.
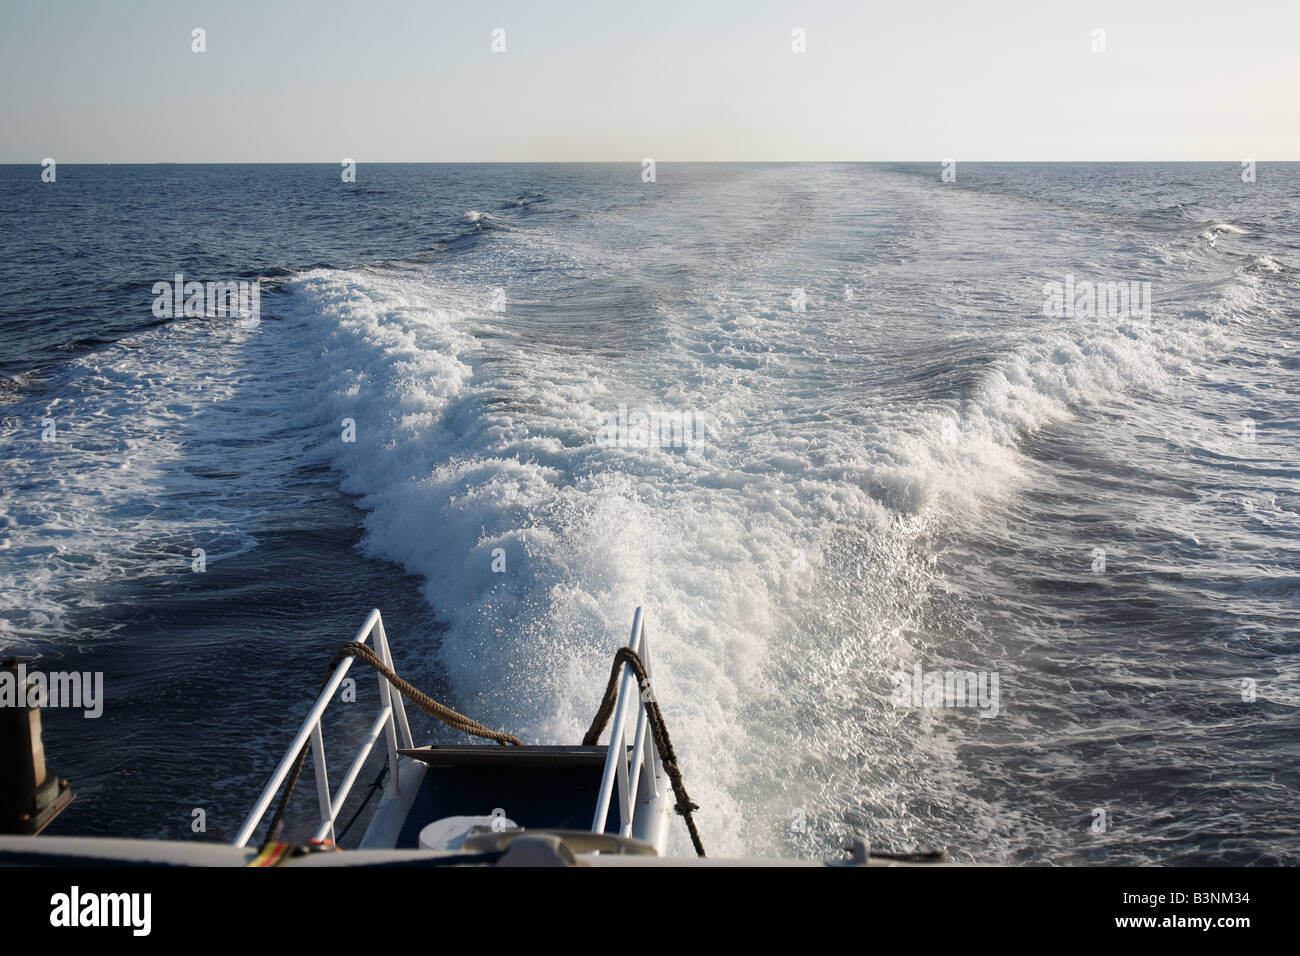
613	162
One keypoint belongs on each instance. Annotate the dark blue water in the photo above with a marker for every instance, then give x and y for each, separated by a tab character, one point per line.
909	460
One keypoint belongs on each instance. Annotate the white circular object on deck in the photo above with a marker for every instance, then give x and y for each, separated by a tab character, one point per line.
449	833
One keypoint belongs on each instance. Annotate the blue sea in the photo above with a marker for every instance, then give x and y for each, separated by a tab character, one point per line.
909	451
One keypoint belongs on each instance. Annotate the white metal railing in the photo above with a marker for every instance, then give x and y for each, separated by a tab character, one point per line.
390	721
644	755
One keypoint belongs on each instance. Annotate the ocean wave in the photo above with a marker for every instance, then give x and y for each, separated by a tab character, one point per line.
485	220
466	455
1213	228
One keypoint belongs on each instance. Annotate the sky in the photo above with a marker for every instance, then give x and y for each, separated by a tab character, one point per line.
619	81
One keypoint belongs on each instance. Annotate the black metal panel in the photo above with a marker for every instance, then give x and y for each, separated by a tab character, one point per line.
537	787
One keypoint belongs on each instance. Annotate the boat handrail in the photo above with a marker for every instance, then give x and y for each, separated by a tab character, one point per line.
390	721
644	754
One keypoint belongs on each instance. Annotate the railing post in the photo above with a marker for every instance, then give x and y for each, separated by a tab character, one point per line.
322	778
399	707
625	808
358	761
639	738
617	741
386	695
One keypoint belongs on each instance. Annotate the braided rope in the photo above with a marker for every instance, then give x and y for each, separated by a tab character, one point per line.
658	729
417	697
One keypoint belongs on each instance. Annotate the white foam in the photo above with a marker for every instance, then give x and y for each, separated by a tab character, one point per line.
165	442
464	448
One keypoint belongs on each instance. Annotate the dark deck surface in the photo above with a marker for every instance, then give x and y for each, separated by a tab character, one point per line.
537	787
